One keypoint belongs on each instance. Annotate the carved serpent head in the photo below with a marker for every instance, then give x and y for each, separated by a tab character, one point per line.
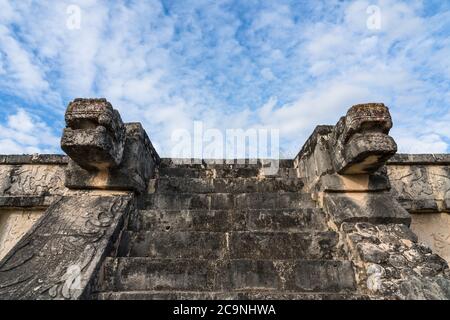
360	140
94	136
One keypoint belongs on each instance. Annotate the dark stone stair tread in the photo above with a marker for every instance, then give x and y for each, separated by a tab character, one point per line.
243	295
305	219
141	274
219	163
274	200
166	295
222	185
282	245
267	200
182	244
181	220
222	172
236	244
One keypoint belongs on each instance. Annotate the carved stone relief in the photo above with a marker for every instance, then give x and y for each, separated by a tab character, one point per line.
421	188
32	180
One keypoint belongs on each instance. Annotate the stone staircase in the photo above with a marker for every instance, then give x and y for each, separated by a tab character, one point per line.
219	231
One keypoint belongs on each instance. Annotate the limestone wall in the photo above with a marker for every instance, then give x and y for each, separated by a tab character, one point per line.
421	183
31	181
28	185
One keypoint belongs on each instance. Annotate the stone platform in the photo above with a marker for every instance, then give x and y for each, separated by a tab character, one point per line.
347	218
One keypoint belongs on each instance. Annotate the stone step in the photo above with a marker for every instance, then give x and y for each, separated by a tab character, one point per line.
248	172
228	201
305	219
173	245
223	185
242	295
222	163
267	200
144	274
234	245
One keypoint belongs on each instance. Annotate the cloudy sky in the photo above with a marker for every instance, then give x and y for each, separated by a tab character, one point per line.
287	65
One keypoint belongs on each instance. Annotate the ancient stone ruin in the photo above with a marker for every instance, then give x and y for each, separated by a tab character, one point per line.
348	218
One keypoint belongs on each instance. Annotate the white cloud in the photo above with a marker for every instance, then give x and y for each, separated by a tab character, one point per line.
431	143
7	13
19	66
24	133
267	74
352	64
168	65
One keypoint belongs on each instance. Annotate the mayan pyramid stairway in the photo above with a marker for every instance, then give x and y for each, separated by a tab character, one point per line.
119	222
226	231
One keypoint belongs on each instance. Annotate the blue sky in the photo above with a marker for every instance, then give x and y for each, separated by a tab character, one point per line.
289	65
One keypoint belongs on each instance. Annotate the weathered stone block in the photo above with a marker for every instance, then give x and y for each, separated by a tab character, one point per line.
420	187
366	153
354	183
367	117
248	274
365	207
35	183
392	264
227	276
303	219
282	245
182	220
360	139
168	295
292	200
95	135
248	185
140	274
331	276
104	152
176	201
173	245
